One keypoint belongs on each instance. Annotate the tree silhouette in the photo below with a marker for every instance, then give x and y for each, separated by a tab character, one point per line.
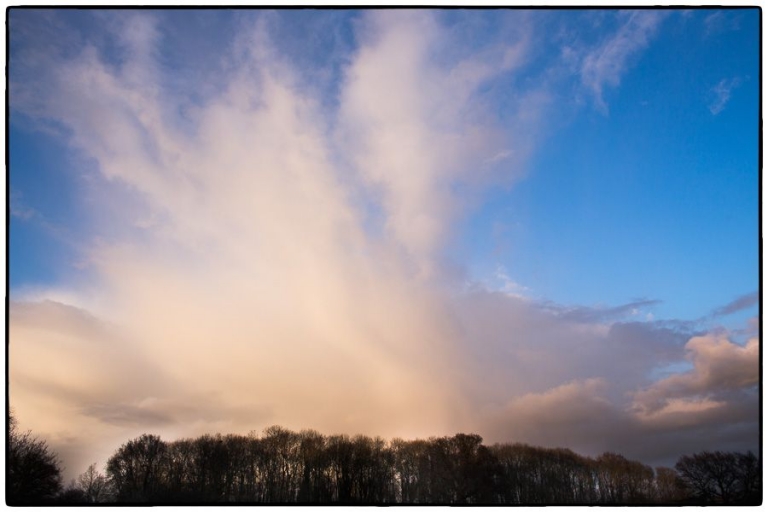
95	487
282	466
750	475
136	469
719	477
669	487
33	474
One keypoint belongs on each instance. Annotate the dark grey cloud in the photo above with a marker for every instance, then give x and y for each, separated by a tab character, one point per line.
525	346
576	377
578	416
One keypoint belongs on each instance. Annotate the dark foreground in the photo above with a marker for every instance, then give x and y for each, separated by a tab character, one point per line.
281	466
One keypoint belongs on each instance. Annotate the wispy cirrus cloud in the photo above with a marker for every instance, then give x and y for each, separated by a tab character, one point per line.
594	314
721	94
605	64
19	208
746	301
721	21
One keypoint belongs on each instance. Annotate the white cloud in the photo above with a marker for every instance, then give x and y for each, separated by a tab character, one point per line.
498	157
605	64
722	94
721	21
508	286
19	208
414	127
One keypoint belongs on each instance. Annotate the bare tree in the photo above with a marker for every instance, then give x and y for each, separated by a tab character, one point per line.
669	487
721	477
33	473
281	466
136	470
94	485
750	479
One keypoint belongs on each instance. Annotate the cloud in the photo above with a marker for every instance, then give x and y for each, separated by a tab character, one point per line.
606	63
517	344
43	333
593	314
712	406
562	413
63	359
122	414
508	286
20	209
720	367
739	304
415	127
599	397
719	21
231	248
721	94
261	254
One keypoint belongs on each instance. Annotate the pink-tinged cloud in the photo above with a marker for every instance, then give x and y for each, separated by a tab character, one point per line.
239	277
719	366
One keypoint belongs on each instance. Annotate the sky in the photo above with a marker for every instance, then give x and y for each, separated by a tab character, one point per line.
540	226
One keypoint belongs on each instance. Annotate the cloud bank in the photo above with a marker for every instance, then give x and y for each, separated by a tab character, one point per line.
259	253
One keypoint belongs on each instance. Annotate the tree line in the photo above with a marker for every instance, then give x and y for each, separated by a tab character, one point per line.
282	466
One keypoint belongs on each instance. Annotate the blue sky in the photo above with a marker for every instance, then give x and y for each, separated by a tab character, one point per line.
655	199
504	186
